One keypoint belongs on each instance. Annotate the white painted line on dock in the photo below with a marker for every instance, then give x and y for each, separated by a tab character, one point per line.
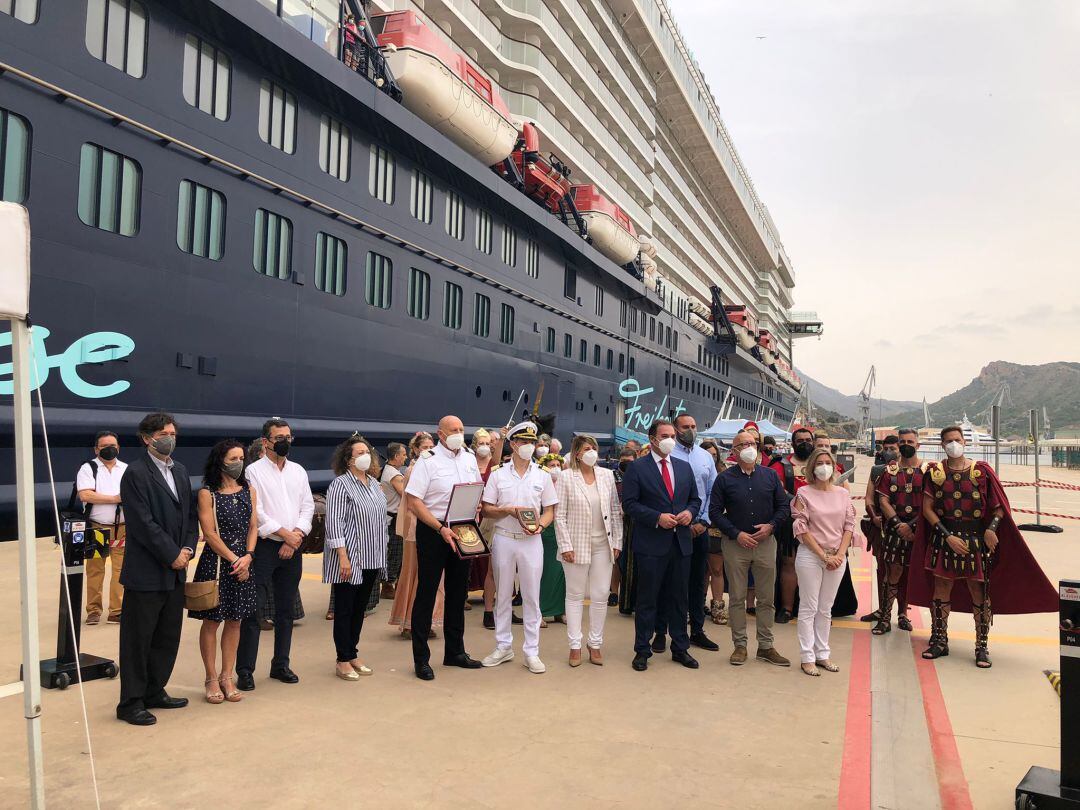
9	689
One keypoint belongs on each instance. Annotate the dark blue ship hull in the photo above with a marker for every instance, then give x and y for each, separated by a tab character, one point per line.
125	325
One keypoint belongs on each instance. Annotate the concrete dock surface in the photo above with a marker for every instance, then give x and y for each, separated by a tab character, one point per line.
888	731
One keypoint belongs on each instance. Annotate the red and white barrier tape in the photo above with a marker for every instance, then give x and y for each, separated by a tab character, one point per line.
1045	514
1042	483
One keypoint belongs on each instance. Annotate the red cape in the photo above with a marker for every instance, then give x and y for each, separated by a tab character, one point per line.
1017	583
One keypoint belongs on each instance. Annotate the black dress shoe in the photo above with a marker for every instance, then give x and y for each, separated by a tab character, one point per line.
489	620
703	641
424	672
285	675
464	660
641	662
244	681
783	616
685	659
659	643
166	702
140	717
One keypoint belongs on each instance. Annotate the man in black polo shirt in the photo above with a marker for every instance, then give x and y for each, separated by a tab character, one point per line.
748	504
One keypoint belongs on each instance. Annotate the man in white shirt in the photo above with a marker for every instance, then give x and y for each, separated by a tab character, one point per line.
284	510
428	496
98	485
517	549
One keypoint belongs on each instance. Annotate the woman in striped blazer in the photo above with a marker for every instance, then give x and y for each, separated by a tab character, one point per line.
355	547
589	531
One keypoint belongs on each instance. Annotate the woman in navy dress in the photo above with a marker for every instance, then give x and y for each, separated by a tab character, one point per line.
230	527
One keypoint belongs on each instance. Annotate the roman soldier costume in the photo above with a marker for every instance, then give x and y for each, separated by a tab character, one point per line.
902	488
965	502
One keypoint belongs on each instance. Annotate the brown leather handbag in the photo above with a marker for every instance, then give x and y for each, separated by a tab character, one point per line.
314	541
204	595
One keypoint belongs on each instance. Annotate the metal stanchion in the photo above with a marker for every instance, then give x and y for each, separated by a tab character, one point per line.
1038	525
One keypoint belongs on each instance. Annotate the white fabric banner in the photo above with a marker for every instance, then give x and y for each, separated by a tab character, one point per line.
14	261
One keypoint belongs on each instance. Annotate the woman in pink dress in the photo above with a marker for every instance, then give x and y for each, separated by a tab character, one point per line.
824	523
401	611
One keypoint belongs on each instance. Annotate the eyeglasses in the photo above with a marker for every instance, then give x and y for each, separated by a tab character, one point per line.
743	446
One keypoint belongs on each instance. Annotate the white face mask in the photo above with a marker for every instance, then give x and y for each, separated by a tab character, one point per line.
554	472
541	450
525	452
748	454
954	449
666	445
483	450
824	472
362	462
454	441
589	457
427	453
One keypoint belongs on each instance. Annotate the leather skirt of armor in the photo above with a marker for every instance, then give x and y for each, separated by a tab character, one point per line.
894	549
943	562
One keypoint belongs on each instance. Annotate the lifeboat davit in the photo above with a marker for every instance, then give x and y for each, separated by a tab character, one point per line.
744	324
700	325
444	88
766	347
610	228
546	180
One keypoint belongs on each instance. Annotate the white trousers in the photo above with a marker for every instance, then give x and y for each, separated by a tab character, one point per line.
525	558
817	591
595	578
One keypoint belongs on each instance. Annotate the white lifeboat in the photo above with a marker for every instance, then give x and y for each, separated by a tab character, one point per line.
610	228
444	88
765	346
744	324
646	246
699	324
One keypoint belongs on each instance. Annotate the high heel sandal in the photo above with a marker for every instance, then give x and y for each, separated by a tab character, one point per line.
235	696
595	657
213	698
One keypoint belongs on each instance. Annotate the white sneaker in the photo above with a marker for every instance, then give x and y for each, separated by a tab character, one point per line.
535	665
498	656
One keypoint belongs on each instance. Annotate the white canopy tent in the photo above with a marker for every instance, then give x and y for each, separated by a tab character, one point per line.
15	307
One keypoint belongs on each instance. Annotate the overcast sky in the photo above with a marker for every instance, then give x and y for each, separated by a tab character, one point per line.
922	153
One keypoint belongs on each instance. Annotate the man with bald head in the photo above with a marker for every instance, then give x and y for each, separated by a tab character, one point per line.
428	496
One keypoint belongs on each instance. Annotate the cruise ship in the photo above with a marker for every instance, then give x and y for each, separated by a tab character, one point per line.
361	216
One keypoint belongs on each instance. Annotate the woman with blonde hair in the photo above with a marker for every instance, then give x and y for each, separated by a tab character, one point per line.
588	529
401	611
824	523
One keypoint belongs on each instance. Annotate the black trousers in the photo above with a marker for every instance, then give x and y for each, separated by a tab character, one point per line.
349	604
149	638
434	560
695	588
282	578
661	591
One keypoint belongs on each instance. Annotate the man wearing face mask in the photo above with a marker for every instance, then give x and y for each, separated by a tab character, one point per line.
98	485
285	508
517	549
748	504
793	475
966	533
428	496
661	498
704	475
161	538
888	453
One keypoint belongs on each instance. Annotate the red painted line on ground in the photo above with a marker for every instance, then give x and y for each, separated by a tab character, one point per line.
854	791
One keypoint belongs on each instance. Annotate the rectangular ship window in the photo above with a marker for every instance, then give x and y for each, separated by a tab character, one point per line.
509	246
379	286
109	190
14	156
335	147
419	294
506	324
570	283
483	231
568	346
331	263
22	10
381	174
116	34
551	339
420	193
455	216
207	71
200	220
482	315
583	352
277	116
599	300
532	259
451	305
272	255
596	355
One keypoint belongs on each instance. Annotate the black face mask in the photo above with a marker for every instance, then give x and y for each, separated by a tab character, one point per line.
281	447
908	450
888	455
109	452
803	450
623	465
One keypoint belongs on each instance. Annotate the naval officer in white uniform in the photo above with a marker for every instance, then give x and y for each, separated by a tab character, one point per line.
518	484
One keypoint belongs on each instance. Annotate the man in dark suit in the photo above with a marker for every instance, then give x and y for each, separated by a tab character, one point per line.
660	497
162	531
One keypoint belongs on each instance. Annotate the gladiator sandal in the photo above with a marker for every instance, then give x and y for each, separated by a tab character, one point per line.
884	622
984	617
939	630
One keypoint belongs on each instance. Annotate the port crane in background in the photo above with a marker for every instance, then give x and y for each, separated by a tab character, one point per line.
926	414
865	423
1001	398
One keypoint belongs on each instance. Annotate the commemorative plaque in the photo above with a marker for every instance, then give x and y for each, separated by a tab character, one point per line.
529	520
461	518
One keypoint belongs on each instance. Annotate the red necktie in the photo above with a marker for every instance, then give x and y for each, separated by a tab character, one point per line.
667	478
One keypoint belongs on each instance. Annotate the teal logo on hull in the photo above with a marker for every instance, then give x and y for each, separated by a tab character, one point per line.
637	414
97	347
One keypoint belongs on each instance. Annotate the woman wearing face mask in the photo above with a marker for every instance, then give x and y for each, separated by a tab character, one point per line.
487	447
717	609
230	527
401	612
588	528
553	582
623	574
824	523
355	546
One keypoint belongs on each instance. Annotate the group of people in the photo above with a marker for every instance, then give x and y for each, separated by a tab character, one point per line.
664	535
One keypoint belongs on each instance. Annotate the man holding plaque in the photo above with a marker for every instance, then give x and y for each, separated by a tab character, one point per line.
520	498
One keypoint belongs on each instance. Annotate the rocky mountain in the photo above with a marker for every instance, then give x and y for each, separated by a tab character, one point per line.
1055	386
848	404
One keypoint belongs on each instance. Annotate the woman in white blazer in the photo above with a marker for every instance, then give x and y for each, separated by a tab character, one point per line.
589	531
